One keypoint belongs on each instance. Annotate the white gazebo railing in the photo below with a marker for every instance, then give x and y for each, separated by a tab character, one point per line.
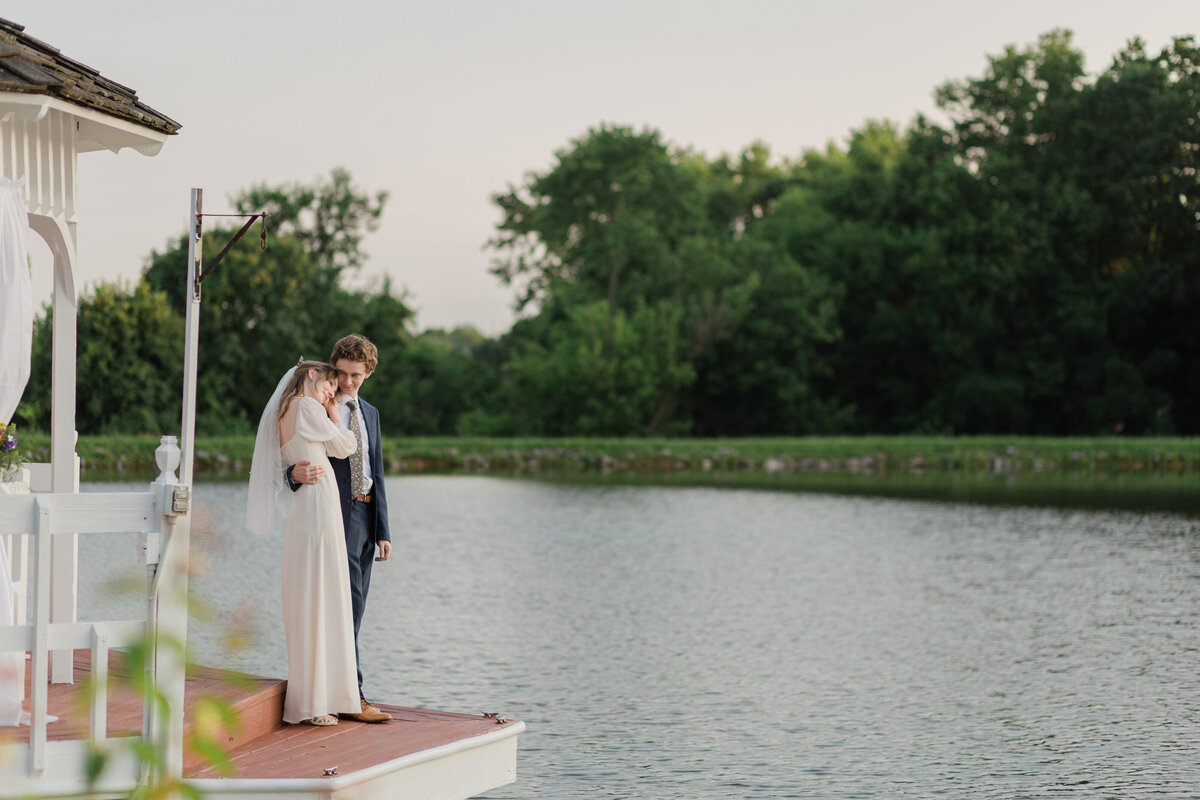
46	766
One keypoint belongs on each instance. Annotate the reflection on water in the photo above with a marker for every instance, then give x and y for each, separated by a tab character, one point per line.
670	642
1144	490
1137	491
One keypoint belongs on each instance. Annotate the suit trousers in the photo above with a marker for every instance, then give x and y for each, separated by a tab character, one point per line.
360	553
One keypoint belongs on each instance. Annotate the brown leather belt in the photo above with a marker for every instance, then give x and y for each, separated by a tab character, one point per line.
362	498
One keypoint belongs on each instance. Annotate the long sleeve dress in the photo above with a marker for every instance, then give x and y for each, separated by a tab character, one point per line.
317	617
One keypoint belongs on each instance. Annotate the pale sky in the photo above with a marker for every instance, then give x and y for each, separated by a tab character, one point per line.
444	103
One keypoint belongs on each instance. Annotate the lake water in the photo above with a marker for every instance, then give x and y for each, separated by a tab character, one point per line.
742	643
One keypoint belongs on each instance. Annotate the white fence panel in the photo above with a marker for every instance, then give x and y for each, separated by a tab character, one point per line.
32	522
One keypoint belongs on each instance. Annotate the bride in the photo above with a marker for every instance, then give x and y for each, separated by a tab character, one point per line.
301	422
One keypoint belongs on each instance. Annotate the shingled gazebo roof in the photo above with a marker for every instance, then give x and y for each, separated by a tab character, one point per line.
30	66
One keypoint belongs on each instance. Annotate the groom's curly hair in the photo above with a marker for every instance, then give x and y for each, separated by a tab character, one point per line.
356	348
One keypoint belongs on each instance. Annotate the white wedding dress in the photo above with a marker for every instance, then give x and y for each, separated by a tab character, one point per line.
317	618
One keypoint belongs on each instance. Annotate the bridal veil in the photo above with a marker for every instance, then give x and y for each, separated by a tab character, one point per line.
266	502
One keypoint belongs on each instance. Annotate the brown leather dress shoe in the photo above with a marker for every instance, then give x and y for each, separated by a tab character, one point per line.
369	713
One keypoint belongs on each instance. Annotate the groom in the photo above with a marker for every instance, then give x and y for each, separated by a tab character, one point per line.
360	485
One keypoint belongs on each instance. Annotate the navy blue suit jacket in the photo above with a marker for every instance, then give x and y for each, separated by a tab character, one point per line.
377	517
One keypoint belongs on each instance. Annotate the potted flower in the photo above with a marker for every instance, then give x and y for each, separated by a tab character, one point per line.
13	479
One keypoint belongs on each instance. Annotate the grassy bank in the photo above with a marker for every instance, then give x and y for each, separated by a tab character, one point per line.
230	455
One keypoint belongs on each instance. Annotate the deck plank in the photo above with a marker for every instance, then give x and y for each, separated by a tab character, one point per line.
263	747
302	751
252	696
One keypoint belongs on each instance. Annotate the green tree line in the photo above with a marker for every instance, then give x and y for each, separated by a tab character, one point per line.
1030	264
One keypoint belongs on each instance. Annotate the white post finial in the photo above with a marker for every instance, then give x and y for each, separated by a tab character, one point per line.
167	458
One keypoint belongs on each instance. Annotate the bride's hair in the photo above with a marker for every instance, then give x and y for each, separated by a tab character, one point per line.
296	384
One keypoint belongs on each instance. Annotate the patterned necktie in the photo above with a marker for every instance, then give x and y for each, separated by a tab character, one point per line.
356	458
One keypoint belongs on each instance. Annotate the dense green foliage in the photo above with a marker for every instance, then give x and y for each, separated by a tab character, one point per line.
1028	266
129	356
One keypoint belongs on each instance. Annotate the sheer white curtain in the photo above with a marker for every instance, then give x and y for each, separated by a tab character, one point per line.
16	341
16	298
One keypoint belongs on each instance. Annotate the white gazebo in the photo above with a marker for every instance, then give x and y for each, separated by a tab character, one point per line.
52	109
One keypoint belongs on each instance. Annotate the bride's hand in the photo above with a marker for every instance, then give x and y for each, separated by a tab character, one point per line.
331	408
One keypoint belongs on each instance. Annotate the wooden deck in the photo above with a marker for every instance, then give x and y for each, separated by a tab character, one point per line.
418	753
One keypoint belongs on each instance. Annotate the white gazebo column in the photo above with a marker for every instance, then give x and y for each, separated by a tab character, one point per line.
64	463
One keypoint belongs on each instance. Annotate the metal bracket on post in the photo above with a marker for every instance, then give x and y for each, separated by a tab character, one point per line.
150	548
181	500
252	217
